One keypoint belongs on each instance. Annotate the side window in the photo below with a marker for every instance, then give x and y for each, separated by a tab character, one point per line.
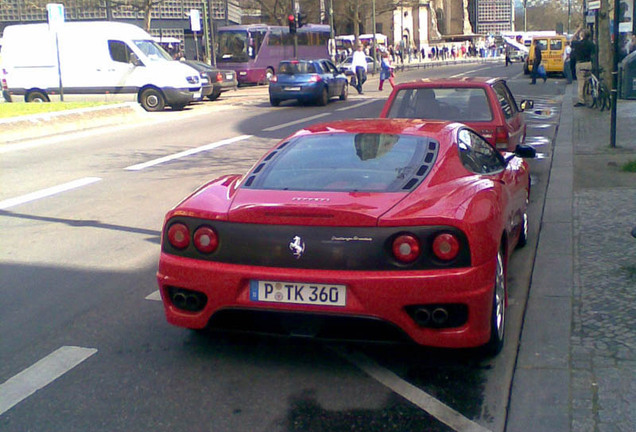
556	44
119	51
506	101
477	155
543	44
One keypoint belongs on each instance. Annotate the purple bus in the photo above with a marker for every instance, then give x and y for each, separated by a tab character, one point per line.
255	50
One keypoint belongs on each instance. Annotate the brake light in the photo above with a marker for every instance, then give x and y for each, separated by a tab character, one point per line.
315	78
406	248
205	239
501	136
219	77
446	246
179	236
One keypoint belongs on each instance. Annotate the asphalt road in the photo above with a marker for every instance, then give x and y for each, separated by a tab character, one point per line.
84	345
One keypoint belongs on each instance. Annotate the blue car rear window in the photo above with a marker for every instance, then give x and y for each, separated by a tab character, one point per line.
296	68
346	162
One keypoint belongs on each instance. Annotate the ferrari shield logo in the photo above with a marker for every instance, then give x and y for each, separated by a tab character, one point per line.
297	246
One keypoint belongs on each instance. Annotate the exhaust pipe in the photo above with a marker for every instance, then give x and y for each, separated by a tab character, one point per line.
440	316
422	316
188	300
180	300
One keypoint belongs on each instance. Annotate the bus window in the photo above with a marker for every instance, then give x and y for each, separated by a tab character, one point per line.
233	46
275	38
256	40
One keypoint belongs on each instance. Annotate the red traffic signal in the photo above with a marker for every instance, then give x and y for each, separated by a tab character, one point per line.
291	20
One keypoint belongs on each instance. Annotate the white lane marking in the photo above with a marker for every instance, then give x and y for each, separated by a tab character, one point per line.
418	397
291	123
466	73
185	153
41	374
156	296
11	202
357	105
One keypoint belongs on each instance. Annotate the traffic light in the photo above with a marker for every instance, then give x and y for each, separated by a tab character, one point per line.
291	20
301	20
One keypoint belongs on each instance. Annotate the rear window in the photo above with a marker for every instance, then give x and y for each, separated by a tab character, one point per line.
347	162
296	68
452	104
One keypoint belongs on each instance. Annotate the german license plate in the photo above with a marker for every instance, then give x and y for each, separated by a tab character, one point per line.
229	77
298	293
292	88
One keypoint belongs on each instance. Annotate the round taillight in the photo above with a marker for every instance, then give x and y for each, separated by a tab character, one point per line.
406	248
205	239
179	236
446	246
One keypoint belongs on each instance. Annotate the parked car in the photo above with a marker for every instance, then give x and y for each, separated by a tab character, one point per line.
206	86
354	225
517	56
307	80
485	104
345	66
220	80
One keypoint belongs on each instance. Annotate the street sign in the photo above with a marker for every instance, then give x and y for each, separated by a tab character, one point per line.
593	4
56	15
195	20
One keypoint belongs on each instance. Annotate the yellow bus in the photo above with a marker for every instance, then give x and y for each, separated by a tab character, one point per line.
552	48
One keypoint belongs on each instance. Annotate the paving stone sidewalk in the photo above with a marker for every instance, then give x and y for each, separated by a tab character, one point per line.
603	338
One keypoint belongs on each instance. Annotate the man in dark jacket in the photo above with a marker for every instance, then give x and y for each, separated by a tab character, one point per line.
536	61
582	51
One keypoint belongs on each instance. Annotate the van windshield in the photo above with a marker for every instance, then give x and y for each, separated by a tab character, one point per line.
152	50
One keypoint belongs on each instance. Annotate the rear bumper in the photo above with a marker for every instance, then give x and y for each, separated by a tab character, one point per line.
381	295
306	92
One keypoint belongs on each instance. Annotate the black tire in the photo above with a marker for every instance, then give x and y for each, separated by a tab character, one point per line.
605	102
274	102
588	97
178	107
498	314
214	95
323	99
36	96
345	92
152	100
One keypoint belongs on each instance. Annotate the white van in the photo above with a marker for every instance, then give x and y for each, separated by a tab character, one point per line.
117	61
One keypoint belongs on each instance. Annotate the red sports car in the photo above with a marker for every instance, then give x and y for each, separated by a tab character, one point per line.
385	228
485	104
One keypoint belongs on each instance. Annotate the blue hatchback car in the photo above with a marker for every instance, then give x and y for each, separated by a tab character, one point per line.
307	80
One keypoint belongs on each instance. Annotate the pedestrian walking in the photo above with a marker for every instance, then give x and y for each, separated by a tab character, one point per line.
536	62
582	51
507	55
567	69
359	67
386	71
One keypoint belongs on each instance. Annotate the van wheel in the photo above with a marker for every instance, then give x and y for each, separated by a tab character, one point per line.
152	100
36	96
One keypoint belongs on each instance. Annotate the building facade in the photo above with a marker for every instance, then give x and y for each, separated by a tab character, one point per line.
170	18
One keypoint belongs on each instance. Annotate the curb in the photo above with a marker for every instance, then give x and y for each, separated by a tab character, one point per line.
47	124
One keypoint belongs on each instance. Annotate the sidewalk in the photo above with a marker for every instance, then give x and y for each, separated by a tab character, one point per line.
576	366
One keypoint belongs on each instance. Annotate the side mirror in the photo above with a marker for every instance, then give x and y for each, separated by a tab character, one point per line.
526	104
523	151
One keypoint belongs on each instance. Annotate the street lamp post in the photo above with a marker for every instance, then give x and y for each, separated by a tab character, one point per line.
525	15
374	42
332	39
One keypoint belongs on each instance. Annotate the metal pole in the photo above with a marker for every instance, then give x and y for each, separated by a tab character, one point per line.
525	15
569	15
332	36
614	75
374	41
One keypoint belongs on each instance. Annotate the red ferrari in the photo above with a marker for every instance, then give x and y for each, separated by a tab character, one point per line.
371	228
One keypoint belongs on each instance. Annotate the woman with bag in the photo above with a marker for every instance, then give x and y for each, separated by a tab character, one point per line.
386	71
